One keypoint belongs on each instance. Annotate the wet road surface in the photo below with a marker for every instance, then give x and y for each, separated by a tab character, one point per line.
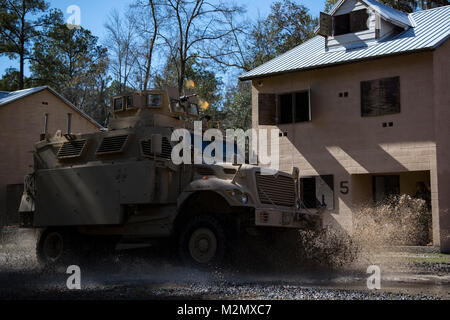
144	275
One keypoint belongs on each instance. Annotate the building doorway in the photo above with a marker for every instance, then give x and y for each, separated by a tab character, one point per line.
14	194
385	187
398	198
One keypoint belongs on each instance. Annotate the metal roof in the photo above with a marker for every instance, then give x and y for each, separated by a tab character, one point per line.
432	28
9	97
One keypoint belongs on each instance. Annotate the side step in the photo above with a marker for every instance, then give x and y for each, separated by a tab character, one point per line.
129	246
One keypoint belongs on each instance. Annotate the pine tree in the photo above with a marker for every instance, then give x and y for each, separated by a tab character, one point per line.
21	22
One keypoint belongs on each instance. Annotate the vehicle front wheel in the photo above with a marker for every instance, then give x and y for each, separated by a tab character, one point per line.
204	242
57	248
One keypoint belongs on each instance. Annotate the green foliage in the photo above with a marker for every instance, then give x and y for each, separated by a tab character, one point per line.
237	108
206	84
72	62
207	87
329	4
412	5
21	22
288	25
10	80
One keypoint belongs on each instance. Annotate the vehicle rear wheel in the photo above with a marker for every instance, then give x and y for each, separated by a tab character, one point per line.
57	248
204	242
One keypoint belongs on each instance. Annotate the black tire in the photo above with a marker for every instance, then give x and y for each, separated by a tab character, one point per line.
58	248
205	242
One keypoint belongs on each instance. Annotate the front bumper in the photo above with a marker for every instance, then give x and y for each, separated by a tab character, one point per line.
275	217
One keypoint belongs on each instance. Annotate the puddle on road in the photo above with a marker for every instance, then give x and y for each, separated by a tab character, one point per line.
18	268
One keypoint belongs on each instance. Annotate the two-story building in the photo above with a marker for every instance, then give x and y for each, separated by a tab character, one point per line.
363	109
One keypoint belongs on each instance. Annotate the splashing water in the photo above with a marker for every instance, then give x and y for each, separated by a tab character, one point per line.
398	221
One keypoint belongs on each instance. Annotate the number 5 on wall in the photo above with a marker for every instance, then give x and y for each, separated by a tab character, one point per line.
344	187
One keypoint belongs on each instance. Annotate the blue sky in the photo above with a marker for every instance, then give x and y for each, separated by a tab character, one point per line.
94	14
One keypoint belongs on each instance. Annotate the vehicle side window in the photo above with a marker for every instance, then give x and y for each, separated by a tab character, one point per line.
129	100
154	100
193	109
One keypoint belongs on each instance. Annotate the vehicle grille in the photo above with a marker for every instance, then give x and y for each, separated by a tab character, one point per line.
146	147
71	149
166	149
112	145
279	190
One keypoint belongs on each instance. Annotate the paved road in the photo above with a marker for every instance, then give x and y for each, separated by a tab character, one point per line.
142	275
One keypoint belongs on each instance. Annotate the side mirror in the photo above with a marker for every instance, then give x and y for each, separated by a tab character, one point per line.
157	144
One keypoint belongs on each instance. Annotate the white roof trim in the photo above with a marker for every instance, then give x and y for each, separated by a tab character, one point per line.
394	16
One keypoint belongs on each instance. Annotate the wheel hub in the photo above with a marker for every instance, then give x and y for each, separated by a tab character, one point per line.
53	246
203	245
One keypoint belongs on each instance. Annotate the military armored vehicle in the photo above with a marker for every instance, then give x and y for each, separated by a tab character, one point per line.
120	184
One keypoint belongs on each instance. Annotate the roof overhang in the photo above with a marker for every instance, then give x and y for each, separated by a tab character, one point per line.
340	63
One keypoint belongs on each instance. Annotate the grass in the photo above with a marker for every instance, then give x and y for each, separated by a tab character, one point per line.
431	258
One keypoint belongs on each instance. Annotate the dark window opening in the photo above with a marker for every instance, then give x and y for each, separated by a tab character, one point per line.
118	104
341	24
385	187
358	21
308	192
302	109
294	107
267	109
352	22
317	192
380	97
286	108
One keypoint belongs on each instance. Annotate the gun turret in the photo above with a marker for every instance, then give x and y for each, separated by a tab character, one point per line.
159	107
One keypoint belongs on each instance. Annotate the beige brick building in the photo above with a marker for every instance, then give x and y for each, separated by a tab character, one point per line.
363	109
23	117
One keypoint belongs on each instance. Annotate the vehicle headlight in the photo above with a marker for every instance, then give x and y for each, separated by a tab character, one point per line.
244	198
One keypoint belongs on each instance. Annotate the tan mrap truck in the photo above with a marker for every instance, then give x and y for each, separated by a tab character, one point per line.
121	184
